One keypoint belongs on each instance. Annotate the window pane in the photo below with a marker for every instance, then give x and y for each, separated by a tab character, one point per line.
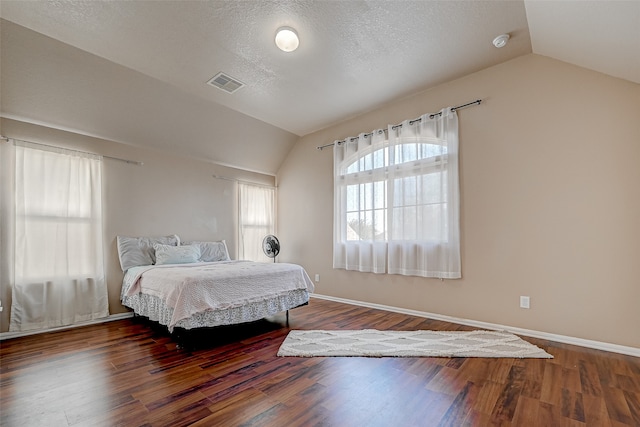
368	196
377	159
358	227
434	229
362	196
367	162
380	195
380	158
73	258
404	192
256	220
353	197
412	152
404	223
432	188
57	185
431	150
380	224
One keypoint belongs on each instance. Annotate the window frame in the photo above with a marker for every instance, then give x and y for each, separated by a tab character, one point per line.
81	215
269	228
407	169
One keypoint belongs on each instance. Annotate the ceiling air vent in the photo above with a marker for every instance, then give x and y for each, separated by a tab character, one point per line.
225	82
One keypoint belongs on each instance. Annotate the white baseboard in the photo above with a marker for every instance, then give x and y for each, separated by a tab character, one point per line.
598	345
110	318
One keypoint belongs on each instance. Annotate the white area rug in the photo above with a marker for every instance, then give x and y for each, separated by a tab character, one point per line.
374	343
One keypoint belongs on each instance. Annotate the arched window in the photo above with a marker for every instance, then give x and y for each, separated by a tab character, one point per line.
417	189
396	200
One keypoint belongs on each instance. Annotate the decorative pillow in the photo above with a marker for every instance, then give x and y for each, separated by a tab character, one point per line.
211	251
137	251
166	254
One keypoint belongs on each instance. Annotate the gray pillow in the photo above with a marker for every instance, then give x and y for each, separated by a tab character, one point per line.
169	254
211	251
136	251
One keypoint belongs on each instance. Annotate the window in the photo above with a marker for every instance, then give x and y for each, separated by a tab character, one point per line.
417	191
396	200
256	220
58	250
56	197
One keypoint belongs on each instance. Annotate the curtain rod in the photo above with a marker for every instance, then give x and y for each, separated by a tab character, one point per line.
131	162
240	181
431	116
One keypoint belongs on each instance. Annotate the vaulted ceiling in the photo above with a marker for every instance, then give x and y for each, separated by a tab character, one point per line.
136	71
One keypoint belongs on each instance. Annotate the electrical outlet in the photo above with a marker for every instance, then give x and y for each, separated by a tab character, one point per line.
317	277
525	302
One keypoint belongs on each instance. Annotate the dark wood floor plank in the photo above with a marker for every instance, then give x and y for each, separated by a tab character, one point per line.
526	412
572	406
595	411
589	380
552	384
461	407
448	381
633	402
131	373
487	397
507	402
617	406
238	409
130	414
533	377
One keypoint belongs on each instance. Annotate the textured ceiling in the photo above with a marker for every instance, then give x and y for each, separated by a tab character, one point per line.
136	71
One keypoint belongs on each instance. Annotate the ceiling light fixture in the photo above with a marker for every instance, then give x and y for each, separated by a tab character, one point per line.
287	39
501	40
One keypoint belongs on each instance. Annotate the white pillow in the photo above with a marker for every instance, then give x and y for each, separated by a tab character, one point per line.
137	251
211	251
166	254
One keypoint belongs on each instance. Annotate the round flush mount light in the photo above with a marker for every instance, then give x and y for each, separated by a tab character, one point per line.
287	39
501	40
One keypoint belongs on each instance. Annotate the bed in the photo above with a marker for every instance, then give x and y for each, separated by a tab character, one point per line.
191	285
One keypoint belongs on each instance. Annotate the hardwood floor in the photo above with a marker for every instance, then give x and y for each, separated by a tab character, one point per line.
128	373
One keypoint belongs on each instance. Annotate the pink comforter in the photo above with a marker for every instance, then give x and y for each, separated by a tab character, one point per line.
192	288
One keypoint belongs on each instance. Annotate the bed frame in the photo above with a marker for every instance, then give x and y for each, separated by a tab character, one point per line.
213	336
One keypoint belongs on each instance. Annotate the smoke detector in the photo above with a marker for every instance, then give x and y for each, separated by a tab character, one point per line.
225	82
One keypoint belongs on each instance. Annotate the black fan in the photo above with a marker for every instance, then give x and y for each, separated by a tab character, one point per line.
271	246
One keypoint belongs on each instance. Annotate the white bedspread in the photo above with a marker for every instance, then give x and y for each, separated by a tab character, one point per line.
189	289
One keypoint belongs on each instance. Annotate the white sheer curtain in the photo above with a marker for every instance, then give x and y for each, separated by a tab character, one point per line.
360	203
396	207
7	211
256	220
58	255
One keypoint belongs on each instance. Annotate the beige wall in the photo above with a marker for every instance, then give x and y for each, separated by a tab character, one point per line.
550	182
167	195
550	202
